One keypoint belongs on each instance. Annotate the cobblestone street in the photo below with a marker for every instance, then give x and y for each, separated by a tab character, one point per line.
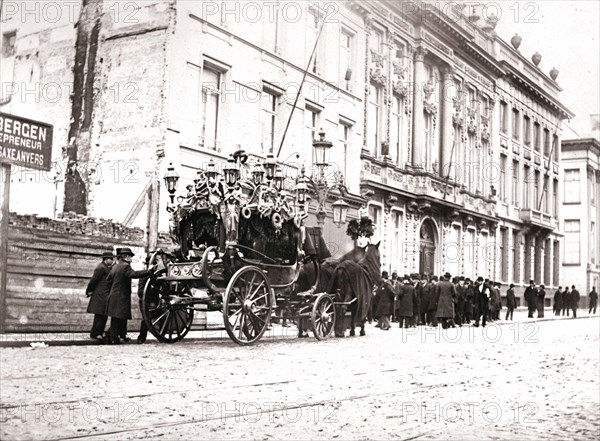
510	381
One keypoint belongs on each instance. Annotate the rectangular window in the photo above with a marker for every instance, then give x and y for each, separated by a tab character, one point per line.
516	124
375	215
556	263
396	129
270	30
346	71
572	241
547	261
312	117
547	142
536	190
555	146
593	243
396	234
345	140
516	243
536	137
211	97
555	198
528	258
546	195
268	118
591	188
315	19
375	119
502	188
504	254
515	183
526	187
503	117
572	186
527	130
485	106
377	40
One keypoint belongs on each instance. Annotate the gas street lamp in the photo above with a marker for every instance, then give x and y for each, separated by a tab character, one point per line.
171	179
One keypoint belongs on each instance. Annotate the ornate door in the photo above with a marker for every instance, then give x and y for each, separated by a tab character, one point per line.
427	249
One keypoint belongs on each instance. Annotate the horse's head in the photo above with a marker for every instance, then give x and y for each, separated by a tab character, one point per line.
372	261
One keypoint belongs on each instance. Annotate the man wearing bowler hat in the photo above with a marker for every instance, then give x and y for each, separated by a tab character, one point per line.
97	290
119	300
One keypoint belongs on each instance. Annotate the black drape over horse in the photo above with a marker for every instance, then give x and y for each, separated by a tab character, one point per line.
355	282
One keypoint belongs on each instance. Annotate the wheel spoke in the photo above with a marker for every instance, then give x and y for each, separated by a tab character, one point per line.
256	291
241	326
156	321
162	330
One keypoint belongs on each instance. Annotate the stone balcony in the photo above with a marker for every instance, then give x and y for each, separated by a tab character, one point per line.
419	183
537	219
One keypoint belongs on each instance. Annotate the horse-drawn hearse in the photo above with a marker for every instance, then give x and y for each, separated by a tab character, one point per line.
243	250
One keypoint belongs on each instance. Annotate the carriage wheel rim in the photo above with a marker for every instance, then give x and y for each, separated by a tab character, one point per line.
248	299
167	322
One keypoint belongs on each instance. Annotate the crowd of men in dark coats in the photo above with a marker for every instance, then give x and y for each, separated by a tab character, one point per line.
421	300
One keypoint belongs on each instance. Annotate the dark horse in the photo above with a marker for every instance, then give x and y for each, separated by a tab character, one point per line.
355	282
354	275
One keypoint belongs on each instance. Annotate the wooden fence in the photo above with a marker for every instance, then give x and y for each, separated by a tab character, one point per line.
49	265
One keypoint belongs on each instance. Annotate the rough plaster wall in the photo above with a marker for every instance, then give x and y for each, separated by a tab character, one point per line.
76	182
129	115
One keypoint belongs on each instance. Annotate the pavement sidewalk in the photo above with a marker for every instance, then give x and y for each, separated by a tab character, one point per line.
216	332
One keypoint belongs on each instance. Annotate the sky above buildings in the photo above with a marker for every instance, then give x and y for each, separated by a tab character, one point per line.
566	34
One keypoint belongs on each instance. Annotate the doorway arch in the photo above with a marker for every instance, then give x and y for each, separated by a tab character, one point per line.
427	247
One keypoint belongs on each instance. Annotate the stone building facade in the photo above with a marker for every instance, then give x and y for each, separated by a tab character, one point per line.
581	215
449	132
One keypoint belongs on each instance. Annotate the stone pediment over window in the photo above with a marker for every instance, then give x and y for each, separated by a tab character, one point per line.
378	77
472	128
429	107
457	119
400	89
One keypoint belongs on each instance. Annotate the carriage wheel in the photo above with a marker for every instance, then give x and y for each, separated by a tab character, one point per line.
323	317
167	320
247	305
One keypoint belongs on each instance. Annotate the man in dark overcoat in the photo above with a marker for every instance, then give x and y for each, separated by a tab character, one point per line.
119	300
593	300
511	302
406	295
540	301
482	298
417	301
575	297
385	305
433	301
469	296
425	295
445	293
461	297
558	300
566	303
97	290
530	297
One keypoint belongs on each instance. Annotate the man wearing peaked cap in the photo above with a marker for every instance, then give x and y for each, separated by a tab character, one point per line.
119	301
97	290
